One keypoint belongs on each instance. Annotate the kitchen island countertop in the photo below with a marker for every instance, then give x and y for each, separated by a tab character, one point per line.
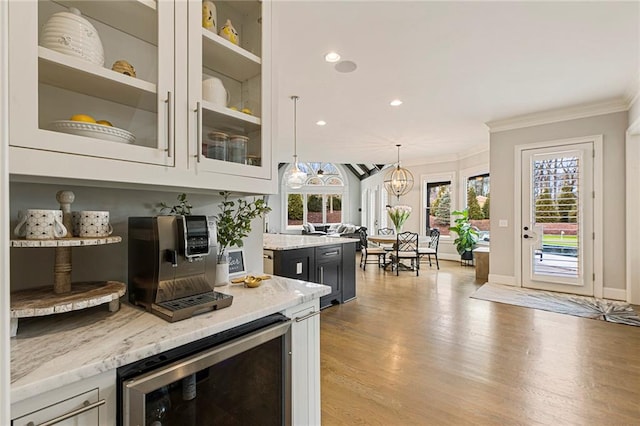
52	351
290	242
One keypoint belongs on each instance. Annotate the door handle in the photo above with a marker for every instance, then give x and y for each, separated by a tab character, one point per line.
198	112
169	103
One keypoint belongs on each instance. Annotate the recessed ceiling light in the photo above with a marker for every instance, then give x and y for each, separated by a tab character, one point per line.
321	123
332	57
395	102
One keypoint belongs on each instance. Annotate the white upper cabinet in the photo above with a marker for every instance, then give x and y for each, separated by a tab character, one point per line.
229	124
165	129
56	73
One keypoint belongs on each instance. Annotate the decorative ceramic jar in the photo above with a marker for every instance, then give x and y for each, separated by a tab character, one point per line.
71	34
227	31
209	16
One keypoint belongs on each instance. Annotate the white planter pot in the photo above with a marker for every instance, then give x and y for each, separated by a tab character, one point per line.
222	274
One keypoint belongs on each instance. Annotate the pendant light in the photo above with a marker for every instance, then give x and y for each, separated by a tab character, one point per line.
400	180
295	177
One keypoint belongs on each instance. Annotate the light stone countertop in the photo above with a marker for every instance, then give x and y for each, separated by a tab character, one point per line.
290	242
55	350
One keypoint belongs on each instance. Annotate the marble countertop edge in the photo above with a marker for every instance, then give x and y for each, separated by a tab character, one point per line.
132	334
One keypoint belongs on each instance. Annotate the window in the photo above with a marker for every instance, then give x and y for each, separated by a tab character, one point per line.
438	215
478	197
319	201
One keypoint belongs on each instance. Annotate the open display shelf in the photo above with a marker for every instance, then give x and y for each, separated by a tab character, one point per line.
49	300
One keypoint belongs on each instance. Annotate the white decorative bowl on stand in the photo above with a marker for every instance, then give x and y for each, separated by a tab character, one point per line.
71	34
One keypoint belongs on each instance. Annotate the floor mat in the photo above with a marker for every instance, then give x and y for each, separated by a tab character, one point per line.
581	306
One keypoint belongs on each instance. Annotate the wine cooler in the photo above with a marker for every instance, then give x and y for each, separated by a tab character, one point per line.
238	377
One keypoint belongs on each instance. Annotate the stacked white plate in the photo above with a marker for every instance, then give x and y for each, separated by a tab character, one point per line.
70	33
98	131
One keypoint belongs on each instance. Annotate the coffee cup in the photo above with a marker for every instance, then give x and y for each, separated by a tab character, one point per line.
40	224
91	224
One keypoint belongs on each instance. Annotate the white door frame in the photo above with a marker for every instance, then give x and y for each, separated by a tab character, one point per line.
632	156
598	223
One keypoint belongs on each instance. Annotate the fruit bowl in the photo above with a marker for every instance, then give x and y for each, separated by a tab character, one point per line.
98	131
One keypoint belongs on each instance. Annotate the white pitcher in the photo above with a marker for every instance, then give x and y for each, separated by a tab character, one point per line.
213	91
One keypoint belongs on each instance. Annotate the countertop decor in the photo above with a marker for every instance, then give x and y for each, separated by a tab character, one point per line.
51	352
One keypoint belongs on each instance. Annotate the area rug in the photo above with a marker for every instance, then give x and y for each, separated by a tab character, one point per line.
581	306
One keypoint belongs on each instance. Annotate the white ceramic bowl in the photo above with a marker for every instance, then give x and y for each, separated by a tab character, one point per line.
71	34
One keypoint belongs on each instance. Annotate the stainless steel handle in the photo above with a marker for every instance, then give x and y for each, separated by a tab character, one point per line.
169	126
87	406
331	253
309	315
198	112
266	256
322	275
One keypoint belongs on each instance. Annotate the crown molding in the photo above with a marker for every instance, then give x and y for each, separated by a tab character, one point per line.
560	114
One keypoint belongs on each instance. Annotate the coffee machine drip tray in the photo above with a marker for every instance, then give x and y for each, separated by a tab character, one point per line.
186	307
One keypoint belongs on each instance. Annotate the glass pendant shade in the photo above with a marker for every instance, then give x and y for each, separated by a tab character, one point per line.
399	181
295	178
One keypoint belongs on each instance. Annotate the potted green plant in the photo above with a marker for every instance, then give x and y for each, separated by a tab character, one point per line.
234	224
467	236
181	208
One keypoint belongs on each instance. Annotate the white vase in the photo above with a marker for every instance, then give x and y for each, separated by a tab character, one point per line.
222	274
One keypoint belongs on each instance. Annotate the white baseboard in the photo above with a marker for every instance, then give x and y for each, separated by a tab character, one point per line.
449	256
614	293
502	279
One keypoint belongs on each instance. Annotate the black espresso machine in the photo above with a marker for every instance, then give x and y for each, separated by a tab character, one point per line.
172	265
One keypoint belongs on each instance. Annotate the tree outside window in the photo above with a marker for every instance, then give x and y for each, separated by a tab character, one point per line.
478	203
439	207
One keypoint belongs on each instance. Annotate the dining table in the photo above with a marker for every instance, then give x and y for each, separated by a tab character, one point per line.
388	241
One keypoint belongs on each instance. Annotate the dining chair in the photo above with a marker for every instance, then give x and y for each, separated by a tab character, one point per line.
368	249
432	248
406	248
386	231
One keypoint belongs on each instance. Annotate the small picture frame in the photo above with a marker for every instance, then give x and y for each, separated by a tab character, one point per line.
236	262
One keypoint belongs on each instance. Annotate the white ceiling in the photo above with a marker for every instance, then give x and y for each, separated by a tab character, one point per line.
456	66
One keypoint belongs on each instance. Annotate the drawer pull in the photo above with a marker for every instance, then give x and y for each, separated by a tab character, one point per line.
306	317
88	406
266	256
331	253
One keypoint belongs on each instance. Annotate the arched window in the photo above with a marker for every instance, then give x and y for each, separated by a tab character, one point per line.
320	200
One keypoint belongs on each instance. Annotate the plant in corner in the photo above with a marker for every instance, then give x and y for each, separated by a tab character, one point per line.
467	235
234	223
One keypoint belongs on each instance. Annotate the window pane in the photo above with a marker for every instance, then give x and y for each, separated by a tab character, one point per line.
314	181
439	206
334	208
478	197
314	208
334	181
294	209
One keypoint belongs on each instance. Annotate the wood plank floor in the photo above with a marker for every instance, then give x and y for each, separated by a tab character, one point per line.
419	351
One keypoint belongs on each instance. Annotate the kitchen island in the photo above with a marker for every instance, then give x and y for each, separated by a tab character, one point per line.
321	259
66	351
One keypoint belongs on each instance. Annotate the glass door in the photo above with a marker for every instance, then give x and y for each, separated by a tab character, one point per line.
229	75
94	78
557	218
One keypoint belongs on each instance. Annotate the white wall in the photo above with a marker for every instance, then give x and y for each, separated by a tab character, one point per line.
457	168
108	262
502	145
352	215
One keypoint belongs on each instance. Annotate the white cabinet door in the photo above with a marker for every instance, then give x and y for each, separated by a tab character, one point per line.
245	72
305	365
48	86
79	410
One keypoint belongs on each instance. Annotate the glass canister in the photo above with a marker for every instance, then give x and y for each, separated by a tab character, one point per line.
237	149
217	145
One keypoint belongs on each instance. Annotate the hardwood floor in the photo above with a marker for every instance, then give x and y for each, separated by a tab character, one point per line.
419	351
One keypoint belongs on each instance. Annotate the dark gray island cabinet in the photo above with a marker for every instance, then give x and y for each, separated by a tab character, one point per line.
324	260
